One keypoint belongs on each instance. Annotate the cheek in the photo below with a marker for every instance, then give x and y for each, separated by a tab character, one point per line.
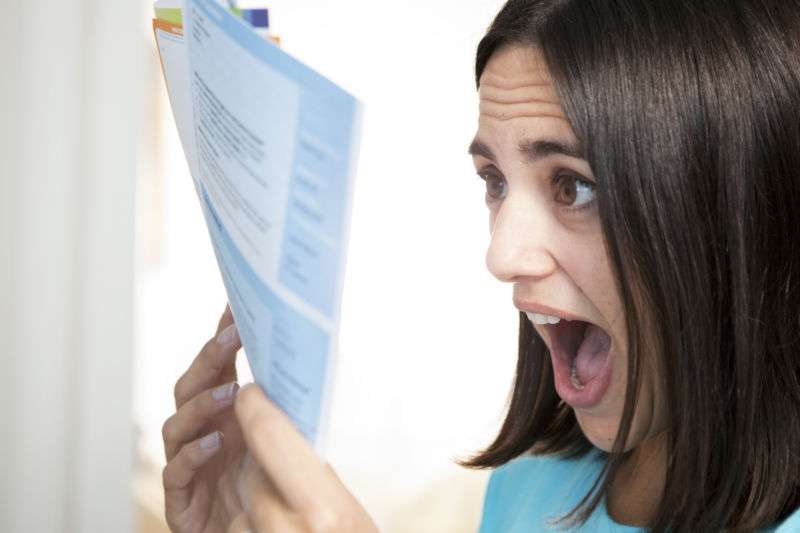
590	269
588	265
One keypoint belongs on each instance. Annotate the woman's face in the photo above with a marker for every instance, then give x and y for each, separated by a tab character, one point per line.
546	239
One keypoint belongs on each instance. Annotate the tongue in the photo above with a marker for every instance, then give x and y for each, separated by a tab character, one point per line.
592	353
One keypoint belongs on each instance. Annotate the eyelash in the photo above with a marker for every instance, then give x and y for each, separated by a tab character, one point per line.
555	181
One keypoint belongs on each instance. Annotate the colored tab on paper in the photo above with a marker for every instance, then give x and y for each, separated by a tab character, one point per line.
258	18
167	26
170	15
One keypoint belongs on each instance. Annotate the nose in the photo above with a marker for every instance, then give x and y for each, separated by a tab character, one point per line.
521	243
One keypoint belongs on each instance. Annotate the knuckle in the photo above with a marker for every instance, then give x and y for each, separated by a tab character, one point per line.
169	517
184	386
208	349
168	430
180	389
179	471
194	456
166	475
210	357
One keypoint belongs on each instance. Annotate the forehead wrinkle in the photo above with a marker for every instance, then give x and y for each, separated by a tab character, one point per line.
512	65
526	98
511	83
517	84
523	94
505	117
520	110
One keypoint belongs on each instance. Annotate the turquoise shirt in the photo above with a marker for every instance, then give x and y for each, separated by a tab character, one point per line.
524	494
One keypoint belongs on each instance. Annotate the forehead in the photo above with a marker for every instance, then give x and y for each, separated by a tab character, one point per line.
517	96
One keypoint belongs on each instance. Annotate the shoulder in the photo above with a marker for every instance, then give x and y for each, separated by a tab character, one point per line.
535	489
530	468
789	525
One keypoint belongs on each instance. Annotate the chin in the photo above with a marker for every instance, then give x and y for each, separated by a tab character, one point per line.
597	431
602	432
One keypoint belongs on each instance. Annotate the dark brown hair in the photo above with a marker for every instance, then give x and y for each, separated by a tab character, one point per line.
689	112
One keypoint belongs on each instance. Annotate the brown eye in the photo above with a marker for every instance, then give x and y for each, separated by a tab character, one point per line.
573	191
496	187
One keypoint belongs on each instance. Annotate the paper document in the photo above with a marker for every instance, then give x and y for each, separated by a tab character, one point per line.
175	62
272	147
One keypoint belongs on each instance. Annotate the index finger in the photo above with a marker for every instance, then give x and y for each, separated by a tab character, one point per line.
285	456
215	361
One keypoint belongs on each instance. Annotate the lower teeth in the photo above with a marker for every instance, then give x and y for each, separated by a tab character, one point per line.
573	376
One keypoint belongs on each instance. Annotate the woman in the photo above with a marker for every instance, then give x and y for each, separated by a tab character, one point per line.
642	165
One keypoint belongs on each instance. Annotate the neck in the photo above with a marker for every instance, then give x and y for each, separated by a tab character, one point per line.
637	489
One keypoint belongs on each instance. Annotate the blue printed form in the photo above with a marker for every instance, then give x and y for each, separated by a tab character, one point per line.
275	146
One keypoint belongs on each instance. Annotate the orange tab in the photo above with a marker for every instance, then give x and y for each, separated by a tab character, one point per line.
168	27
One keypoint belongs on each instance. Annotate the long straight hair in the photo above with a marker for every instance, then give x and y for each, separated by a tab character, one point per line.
689	112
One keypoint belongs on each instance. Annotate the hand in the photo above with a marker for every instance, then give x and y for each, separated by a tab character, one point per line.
283	485
203	441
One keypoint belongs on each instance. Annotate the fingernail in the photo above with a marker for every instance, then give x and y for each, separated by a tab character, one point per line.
210	442
228	335
224	392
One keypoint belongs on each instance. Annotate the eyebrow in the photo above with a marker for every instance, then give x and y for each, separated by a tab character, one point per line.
533	150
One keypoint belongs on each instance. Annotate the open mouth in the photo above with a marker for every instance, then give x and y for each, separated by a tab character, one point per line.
580	354
583	346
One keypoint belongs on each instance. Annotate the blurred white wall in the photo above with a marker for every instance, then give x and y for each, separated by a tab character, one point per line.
428	342
69	108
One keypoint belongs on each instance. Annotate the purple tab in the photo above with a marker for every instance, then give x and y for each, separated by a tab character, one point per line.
258	18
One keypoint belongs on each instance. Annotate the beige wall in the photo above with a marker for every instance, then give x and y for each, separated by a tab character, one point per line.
70	109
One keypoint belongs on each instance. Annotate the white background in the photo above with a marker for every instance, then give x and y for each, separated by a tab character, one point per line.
428	339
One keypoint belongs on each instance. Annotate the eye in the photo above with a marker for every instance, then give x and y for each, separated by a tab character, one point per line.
496	187
574	192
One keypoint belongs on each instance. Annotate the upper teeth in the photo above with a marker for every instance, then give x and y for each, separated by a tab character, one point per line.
536	318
